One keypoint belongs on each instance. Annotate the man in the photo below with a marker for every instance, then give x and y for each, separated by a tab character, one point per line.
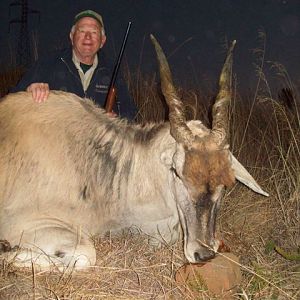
83	69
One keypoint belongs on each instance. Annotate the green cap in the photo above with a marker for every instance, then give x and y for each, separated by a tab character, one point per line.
91	14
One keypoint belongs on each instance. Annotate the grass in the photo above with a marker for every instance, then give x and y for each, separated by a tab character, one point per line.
265	136
9	78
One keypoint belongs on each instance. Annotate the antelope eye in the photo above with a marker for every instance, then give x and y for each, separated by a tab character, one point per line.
173	170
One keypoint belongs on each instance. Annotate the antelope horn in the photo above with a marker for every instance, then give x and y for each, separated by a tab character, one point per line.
178	127
220	124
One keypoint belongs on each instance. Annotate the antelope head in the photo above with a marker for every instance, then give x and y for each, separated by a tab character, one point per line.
201	163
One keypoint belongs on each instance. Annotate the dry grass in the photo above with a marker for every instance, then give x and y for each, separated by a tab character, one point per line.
9	78
265	136
126	269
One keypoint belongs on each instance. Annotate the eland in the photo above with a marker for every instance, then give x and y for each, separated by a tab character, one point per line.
69	172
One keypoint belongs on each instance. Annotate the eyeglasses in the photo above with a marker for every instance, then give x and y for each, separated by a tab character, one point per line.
93	32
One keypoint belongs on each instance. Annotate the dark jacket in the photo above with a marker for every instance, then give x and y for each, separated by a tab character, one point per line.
60	73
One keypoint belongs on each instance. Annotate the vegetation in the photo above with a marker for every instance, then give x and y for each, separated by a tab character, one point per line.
265	137
9	78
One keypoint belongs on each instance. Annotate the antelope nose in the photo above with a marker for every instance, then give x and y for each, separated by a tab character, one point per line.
204	254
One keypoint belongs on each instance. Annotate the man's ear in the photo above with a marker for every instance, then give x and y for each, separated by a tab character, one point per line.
71	37
103	40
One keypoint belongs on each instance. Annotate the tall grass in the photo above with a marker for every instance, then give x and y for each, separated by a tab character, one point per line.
9	78
265	137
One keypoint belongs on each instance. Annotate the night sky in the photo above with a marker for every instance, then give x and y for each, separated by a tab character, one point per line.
192	33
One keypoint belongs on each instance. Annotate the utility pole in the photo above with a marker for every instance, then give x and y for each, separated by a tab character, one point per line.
24	53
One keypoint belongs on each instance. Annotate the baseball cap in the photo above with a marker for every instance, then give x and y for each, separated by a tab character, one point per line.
91	14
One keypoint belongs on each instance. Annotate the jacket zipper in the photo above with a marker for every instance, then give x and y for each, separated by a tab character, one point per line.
69	69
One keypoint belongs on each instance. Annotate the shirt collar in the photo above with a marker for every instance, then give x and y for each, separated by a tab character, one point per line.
77	61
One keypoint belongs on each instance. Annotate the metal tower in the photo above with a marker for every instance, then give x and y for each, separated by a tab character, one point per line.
24	53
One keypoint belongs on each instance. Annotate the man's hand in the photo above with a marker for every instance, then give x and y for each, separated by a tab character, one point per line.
39	91
112	114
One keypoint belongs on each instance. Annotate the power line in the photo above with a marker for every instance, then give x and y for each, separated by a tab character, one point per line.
24	52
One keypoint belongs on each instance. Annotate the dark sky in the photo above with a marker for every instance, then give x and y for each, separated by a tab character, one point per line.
192	33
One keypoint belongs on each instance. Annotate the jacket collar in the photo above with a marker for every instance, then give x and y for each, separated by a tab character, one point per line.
67	56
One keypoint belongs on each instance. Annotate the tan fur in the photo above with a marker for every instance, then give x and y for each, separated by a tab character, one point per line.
207	167
68	171
67	168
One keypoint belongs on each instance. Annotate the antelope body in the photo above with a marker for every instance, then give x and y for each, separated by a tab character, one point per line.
68	172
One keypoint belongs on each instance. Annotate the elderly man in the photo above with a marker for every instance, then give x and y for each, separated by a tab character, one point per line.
83	69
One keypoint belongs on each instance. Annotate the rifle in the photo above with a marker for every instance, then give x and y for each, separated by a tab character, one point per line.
111	94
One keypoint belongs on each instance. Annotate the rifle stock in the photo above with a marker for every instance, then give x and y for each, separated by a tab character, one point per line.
110	99
111	94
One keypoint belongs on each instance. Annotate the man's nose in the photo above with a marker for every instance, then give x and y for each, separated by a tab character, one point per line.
88	35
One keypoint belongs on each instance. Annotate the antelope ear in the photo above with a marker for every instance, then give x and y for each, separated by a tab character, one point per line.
242	175
166	156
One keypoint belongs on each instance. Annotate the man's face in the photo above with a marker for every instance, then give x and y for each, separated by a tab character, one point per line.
87	38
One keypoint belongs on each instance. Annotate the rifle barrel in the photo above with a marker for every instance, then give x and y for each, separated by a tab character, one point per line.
111	94
117	65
